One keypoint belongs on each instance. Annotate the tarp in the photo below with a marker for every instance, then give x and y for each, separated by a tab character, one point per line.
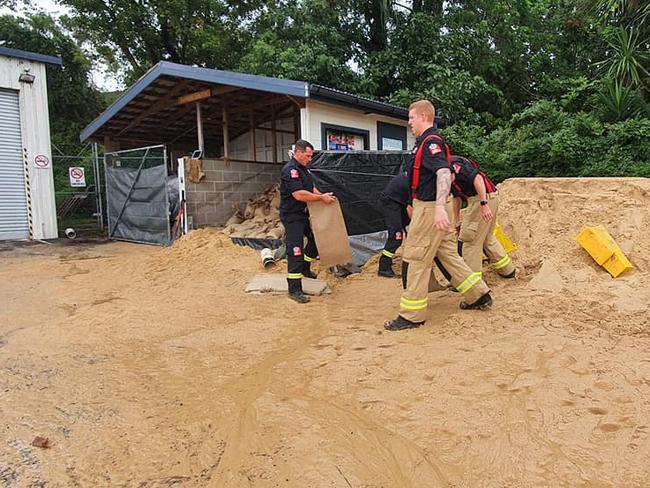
357	178
138	205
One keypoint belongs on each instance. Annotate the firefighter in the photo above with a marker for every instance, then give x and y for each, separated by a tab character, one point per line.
395	201
429	232
476	232
296	189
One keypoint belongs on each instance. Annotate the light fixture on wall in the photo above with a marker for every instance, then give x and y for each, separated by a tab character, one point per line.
26	76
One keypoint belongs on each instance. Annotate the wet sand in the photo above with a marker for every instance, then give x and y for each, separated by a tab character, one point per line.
151	367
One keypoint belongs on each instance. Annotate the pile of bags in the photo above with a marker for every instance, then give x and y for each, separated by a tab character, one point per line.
260	219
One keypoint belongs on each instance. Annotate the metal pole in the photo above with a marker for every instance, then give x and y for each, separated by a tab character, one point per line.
98	187
199	127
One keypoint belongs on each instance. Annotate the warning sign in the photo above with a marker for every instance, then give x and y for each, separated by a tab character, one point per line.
77	176
41	161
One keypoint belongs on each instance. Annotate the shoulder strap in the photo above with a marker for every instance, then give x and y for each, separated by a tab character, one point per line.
415	177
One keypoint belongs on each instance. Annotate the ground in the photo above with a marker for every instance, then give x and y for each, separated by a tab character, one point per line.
150	367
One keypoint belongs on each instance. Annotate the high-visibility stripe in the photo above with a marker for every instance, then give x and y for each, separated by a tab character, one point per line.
419	304
308	259
413	304
388	254
294	276
469	283
502	263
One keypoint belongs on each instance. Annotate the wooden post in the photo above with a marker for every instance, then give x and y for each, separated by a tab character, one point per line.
226	137
274	135
199	128
296	124
253	150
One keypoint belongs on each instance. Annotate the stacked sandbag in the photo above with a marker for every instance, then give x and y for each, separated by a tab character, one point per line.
260	218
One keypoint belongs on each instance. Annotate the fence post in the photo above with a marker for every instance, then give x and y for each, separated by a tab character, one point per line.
98	187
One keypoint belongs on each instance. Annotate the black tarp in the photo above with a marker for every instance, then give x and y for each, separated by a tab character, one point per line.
357	178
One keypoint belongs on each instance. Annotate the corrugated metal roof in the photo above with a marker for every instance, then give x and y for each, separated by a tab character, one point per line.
41	58
292	88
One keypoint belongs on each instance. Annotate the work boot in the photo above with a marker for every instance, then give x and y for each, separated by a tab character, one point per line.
483	303
510	275
295	291
400	323
386	267
307	272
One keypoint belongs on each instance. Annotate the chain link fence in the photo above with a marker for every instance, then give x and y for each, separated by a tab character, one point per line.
79	191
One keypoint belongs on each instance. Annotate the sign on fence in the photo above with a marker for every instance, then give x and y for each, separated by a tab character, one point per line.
77	176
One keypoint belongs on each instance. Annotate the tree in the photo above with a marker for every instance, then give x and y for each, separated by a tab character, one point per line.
73	101
133	36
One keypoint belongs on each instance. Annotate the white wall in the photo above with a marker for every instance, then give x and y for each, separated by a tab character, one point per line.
316	113
35	128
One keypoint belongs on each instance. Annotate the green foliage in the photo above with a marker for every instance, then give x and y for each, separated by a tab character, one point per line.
73	102
289	43
544	140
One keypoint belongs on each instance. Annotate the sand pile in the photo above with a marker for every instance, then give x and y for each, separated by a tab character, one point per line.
260	219
151	367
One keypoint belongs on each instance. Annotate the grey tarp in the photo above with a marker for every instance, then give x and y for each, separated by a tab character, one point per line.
138	212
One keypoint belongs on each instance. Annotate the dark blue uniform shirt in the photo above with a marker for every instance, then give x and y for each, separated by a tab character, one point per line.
294	177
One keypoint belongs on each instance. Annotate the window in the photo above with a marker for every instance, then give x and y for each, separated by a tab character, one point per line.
339	138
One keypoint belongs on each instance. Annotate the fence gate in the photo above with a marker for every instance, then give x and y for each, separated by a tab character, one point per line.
137	195
78	190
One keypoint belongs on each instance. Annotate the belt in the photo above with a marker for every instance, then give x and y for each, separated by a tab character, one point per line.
489	195
422	203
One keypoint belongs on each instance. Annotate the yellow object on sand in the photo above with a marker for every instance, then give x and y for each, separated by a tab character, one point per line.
508	245
602	247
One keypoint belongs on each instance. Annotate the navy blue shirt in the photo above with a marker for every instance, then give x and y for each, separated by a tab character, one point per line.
398	190
463	185
433	158
294	177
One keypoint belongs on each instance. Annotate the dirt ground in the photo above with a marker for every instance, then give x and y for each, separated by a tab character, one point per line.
149	367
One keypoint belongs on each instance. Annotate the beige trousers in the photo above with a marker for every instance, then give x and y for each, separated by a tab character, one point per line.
423	243
477	237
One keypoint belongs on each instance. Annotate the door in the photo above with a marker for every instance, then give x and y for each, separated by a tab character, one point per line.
14	223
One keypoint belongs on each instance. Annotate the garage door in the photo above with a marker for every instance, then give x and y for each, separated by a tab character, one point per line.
13	202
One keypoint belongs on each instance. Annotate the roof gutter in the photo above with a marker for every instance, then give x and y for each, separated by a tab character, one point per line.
319	92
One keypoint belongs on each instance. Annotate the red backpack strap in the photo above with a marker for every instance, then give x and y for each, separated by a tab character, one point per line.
415	177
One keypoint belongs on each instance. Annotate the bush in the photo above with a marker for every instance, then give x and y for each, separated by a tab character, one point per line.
544	140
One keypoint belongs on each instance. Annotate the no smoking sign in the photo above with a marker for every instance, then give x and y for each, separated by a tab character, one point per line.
77	176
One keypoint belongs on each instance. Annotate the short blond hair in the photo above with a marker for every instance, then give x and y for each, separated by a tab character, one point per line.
424	107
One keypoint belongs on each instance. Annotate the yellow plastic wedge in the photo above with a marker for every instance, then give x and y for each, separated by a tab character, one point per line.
602	247
508	245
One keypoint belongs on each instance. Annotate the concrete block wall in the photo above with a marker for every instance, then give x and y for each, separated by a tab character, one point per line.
226	185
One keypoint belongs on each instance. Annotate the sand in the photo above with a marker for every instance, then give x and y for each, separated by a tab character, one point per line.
150	367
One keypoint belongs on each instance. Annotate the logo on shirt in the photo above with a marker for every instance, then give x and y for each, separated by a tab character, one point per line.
434	148
294	174
297	251
398	236
456	168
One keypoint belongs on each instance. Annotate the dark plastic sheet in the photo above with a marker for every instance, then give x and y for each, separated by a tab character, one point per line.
357	178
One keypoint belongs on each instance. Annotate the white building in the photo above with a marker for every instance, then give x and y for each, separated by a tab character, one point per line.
27	204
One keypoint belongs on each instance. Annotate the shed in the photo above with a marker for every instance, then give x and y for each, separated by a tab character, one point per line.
27	204
243	124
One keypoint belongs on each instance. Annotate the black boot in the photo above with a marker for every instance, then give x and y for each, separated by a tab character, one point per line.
483	303
295	291
510	275
386	267
400	323
306	270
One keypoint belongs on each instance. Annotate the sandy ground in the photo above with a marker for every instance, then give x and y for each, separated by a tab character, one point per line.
149	367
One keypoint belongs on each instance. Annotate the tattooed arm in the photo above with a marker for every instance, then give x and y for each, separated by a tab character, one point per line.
443	178
443	182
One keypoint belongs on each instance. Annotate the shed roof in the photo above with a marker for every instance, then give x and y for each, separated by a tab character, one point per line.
41	58
148	111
